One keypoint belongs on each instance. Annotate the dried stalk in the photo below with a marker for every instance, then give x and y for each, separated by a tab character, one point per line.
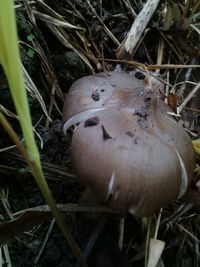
137	29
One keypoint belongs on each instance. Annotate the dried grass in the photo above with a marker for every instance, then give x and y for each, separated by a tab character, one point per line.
93	31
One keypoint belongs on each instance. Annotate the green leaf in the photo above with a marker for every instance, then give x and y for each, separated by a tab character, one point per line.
30	52
30	37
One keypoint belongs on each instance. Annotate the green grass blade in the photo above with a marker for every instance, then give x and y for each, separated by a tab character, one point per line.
10	60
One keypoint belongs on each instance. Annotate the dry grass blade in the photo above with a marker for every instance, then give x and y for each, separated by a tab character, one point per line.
65	40
30	86
156	248
182	228
56	22
187	99
112	37
45	241
21	5
195	28
121	233
75	12
158	223
170	44
8	112
160	53
6	254
129	7
87	51
6	167
49	10
44	56
178	213
151	67
69	208
52	171
137	29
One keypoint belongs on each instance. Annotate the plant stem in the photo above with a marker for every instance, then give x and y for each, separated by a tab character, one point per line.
42	184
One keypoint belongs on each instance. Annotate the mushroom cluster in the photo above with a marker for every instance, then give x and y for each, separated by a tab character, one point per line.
126	146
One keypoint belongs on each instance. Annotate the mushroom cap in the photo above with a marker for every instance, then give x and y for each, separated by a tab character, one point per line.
127	148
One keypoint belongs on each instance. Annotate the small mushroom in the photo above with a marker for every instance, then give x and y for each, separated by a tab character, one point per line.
126	147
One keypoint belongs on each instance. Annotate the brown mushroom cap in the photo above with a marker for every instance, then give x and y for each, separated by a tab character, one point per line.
127	148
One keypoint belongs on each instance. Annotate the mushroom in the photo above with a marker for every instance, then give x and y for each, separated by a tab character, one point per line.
127	147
